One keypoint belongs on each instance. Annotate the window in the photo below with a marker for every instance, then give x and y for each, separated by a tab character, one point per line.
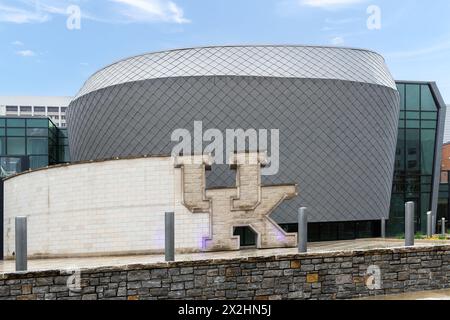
401	90
428	138
53	109
37	132
63	133
15	132
18	123
64	110
10	166
39	110
429	124
427	99
38	162
16	146
413	115
412	97
37	146
413	124
412	164
2	145
25	109
412	151
429	116
37	123
11	108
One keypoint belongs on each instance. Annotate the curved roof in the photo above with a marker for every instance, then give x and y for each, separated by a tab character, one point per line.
259	61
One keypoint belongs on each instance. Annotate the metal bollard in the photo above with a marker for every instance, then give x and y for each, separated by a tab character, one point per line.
409	224
444	229
383	228
21	244
170	236
302	230
429	224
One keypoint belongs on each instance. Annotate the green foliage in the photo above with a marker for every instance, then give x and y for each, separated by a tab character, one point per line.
420	236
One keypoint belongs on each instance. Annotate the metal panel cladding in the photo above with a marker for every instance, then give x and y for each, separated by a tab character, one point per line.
337	111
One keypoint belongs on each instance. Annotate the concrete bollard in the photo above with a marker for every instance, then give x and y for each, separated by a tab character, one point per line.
383	228
409	224
302	230
434	224
429	224
21	244
170	236
443	228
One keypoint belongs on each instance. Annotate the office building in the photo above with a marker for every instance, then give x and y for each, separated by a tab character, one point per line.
28	106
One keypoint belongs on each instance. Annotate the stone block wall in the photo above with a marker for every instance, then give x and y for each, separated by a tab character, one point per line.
314	276
101	208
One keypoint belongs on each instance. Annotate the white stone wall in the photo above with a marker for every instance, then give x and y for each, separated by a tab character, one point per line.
112	207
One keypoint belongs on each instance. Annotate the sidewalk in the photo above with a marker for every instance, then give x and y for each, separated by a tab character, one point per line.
113	261
423	295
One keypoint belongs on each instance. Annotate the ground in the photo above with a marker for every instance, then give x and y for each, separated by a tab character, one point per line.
318	247
423	295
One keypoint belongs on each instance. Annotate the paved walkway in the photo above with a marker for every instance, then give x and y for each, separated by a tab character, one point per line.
319	247
423	295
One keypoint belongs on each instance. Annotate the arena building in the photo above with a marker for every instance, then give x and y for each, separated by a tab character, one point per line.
328	118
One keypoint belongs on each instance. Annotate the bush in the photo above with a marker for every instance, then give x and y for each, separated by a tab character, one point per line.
420	236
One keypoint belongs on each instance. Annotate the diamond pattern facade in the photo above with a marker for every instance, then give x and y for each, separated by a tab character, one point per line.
338	129
261	61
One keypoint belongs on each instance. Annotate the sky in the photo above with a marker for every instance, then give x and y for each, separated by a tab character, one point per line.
51	47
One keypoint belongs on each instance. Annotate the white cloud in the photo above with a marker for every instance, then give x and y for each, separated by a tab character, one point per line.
20	15
17	43
440	47
151	10
26	53
329	3
104	11
342	21
337	41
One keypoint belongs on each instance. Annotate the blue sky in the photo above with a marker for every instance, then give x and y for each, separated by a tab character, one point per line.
40	55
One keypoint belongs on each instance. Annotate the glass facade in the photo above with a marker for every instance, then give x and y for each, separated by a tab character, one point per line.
415	156
333	231
30	143
63	146
413	176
